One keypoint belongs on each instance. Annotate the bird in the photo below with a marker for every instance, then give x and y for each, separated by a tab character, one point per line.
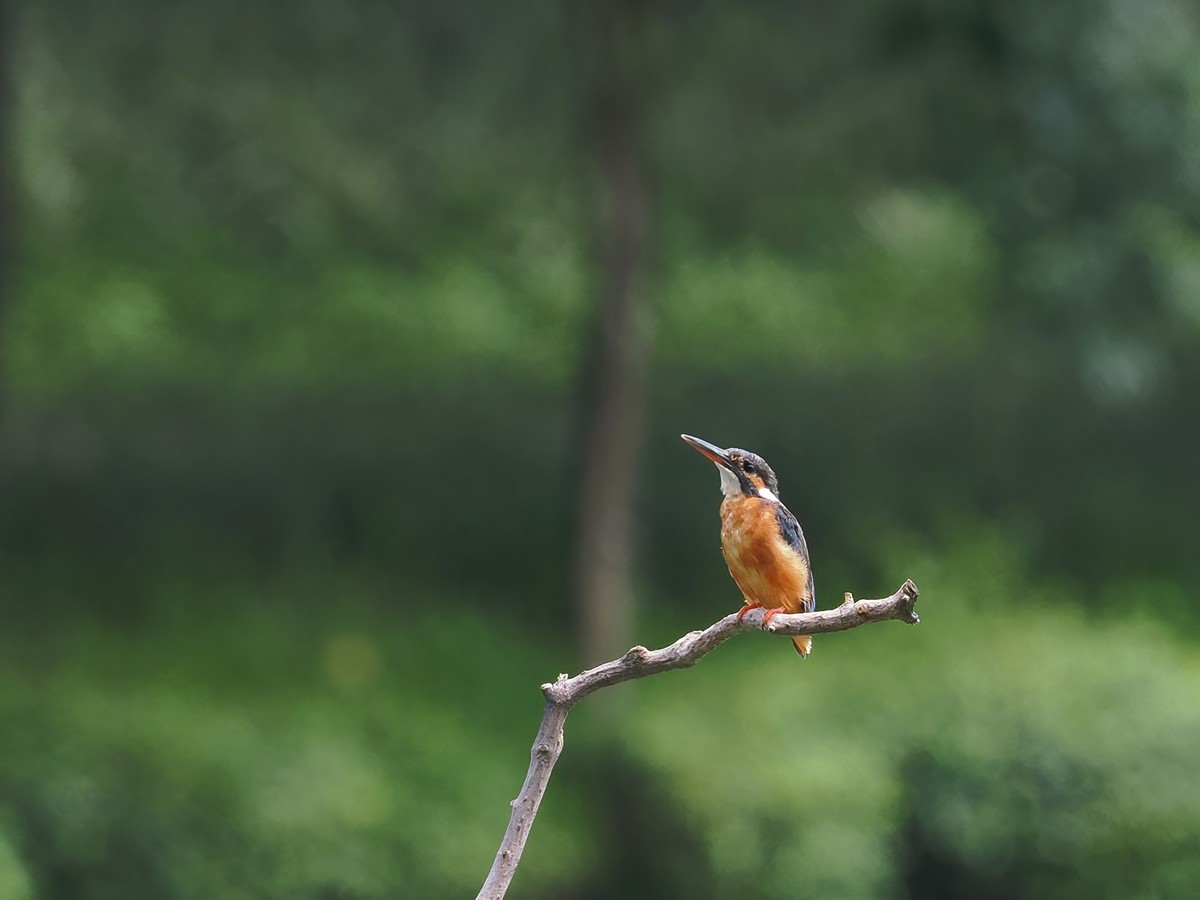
763	543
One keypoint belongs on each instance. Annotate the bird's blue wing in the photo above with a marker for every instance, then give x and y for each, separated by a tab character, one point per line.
793	535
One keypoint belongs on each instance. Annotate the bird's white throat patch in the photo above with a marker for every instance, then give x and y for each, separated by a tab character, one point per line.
730	486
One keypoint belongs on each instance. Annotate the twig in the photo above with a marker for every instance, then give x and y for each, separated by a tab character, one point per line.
639	662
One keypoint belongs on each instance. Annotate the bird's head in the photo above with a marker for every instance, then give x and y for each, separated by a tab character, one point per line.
742	472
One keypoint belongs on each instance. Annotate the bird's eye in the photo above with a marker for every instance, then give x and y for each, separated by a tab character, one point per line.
748	466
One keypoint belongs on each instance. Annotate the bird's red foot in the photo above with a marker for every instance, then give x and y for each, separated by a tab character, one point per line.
772	613
745	609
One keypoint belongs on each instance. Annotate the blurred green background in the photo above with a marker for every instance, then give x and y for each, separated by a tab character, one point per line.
344	353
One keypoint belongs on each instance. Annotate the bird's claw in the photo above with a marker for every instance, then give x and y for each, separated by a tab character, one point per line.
745	609
770	614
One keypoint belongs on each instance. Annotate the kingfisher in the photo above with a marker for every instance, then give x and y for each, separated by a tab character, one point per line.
763	543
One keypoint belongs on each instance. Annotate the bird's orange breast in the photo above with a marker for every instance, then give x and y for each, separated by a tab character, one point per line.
765	568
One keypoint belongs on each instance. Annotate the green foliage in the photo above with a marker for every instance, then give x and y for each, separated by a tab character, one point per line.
290	377
262	754
353	751
1004	741
865	305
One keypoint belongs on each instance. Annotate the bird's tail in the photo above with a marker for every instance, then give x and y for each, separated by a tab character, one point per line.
803	645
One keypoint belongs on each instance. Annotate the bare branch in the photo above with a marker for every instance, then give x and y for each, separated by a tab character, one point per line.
639	662
546	749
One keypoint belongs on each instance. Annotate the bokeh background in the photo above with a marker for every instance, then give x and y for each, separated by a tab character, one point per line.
345	349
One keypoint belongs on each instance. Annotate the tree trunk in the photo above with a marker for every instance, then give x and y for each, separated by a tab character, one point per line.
615	395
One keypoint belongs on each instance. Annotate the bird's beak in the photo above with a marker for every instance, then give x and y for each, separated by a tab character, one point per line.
713	452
